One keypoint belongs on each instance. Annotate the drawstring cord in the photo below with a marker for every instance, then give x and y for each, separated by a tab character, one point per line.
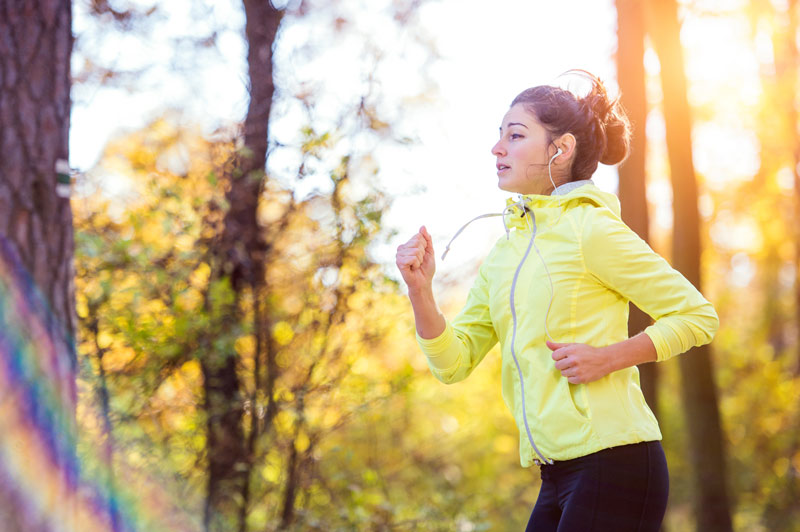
514	330
519	203
525	211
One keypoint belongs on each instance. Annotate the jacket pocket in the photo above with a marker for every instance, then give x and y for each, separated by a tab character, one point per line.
577	395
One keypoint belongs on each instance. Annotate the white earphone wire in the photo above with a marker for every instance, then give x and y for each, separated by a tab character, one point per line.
549	172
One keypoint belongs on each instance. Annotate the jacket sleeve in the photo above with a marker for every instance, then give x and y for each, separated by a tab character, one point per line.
460	348
617	257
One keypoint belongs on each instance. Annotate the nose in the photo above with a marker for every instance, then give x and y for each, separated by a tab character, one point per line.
498	150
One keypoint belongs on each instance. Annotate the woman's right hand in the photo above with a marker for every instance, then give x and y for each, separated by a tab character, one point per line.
415	260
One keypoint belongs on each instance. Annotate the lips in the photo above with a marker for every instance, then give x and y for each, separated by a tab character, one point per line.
502	167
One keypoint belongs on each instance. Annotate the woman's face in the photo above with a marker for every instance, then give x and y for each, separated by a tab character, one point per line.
523	152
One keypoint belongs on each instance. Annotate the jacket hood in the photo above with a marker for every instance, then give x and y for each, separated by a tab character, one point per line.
548	207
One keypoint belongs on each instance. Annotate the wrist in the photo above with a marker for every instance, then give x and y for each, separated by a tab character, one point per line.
608	359
424	292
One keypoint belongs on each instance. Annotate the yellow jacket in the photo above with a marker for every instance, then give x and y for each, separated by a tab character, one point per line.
595	264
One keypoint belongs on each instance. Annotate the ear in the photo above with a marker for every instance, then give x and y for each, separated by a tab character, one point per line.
567	144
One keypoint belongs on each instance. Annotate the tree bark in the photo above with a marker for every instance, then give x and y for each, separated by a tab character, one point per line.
239	258
632	182
706	448
36	233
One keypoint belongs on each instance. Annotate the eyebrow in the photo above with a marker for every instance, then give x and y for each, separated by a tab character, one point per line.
513	124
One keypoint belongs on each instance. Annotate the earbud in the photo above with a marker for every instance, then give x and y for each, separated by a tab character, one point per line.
559	152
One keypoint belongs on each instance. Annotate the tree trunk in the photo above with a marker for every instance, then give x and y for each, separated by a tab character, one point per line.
36	237
239	257
632	183
706	449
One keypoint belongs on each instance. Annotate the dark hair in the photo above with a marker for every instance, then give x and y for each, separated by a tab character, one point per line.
600	126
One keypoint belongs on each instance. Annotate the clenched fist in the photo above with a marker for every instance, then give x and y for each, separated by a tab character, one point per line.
415	260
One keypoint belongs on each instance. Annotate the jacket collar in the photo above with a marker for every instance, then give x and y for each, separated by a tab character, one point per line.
566	188
547	208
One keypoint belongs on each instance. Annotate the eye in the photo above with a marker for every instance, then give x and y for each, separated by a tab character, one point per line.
514	136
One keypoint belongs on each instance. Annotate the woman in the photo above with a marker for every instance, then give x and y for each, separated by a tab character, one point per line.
554	292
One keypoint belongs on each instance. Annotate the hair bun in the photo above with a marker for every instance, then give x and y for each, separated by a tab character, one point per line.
618	139
615	128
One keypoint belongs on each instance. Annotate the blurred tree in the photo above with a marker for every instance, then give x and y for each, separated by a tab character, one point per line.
239	257
706	450
337	350
255	410
779	137
788	66
763	197
35	219
632	178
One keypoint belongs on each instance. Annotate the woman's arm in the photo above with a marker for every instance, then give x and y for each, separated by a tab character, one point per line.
429	319
619	259
453	350
416	262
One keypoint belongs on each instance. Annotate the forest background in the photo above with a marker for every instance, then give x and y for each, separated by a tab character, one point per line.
243	351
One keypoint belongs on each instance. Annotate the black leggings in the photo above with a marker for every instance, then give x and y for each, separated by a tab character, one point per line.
620	489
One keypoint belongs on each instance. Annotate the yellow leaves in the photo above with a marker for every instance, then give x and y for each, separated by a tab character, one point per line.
302	442
81	306
190	299
282	333
271	472
283	359
360	366
245	345
314	144
780	466
270	211
142	158
174	404
199	277
283	421
771	424
184	242
331	417
104	339
152	231
359	300
117	359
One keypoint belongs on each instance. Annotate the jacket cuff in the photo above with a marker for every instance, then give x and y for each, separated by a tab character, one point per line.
442	352
663	351
433	347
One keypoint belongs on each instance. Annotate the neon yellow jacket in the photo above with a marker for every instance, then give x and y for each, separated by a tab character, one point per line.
597	264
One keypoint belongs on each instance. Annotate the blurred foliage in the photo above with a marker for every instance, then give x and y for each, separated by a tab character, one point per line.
379	443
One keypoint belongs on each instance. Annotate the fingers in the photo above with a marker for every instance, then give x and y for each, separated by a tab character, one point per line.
560	350
412	253
563	364
424	231
555	345
410	258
